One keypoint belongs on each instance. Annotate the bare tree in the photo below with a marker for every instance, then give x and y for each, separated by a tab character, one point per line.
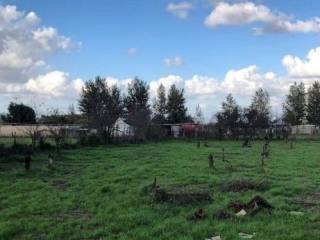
58	132
33	131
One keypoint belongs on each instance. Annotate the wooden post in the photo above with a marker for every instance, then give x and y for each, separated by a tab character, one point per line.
223	157
50	161
211	162
27	162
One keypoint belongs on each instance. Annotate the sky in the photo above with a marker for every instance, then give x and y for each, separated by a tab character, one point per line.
210	48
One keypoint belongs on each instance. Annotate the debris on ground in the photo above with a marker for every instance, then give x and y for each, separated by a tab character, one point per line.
198	215
241	213
236	206
254	206
296	213
182	194
214	238
221	215
246	235
244	185
258	203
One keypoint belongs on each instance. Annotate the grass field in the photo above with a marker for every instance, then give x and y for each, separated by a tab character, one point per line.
102	193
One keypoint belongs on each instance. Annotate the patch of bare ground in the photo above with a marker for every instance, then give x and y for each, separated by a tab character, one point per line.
60	184
182	194
76	213
307	200
244	185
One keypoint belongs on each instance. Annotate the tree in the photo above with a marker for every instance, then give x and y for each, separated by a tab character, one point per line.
295	104
160	107
57	132
177	112
19	113
229	117
313	106
199	118
102	105
258	114
138	108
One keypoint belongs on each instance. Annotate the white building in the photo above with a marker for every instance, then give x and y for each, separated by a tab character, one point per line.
122	129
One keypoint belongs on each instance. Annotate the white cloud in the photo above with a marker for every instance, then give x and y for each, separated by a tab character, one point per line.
166	82
121	83
202	85
25	44
180	10
248	13
173	62
55	83
303	68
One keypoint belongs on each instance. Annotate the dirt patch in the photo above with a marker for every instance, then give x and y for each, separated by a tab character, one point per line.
60	185
244	185
197	215
221	215
182	194
309	200
74	214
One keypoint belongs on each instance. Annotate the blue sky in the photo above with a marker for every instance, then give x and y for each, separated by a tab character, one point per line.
102	32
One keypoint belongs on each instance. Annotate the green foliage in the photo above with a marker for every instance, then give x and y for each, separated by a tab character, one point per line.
160	106
313	106
258	114
19	113
229	117
176	109
137	107
102	105
295	105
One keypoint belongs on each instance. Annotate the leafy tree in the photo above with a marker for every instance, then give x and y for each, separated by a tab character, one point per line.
229	117
160	107
295	104
102	105
199	118
177	112
137	107
19	113
313	106
258	114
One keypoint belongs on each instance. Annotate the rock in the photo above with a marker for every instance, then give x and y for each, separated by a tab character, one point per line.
246	236
296	213
215	238
242	213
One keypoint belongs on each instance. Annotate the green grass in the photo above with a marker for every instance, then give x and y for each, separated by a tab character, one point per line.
102	193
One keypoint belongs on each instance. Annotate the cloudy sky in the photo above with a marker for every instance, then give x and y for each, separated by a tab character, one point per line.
208	47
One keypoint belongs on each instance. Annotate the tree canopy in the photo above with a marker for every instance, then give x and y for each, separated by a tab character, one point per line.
160	105
313	105
295	105
176	109
137	106
19	113
101	104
